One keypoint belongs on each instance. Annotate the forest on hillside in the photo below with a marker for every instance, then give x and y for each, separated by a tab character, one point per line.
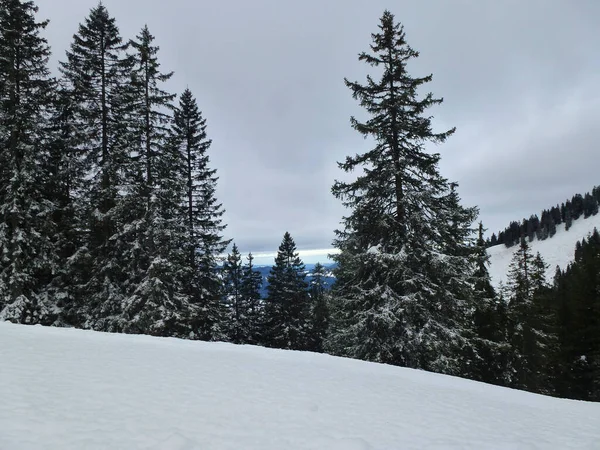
544	228
109	221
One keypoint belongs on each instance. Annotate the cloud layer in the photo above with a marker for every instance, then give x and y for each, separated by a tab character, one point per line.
520	82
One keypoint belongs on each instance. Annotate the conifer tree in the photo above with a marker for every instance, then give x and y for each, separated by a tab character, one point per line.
96	74
203	218
250	292
552	227
493	240
577	296
66	180
156	303
319	313
519	292
287	304
543	322
488	343
568	217
529	329
232	280
401	288
27	254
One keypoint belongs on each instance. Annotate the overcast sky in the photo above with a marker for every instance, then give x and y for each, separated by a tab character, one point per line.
520	81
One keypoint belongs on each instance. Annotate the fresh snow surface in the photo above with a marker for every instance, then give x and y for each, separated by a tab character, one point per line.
63	389
558	250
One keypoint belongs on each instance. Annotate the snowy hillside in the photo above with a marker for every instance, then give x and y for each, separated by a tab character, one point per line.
70	389
556	251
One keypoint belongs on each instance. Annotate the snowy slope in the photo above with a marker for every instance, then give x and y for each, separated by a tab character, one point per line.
76	390
556	251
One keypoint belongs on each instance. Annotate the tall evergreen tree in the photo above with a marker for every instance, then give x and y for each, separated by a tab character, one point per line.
402	279
519	293
319	309
287	304
156	303
529	329
96	74
250	292
66	181
235	301
568	216
27	254
489	347
203	218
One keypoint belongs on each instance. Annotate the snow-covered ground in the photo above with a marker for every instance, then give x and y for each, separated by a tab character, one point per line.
64	389
556	251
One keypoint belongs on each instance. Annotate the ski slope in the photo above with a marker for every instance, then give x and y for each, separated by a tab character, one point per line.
64	389
558	250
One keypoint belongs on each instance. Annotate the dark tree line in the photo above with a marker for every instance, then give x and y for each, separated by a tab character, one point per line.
109	220
295	313
94	222
537	336
545	227
576	302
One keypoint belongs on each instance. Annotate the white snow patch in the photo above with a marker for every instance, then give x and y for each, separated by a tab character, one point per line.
71	390
558	250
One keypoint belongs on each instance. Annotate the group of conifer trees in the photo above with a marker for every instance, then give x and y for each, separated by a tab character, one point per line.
109	220
545	336
108	215
579	206
294	315
108	212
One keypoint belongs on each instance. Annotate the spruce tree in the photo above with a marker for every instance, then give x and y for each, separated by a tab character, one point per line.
319	309
568	217
493	240
489	346
232	280
552	227
529	329
402	288
543	321
156	303
66	181
203	214
27	253
96	74
250	292
287	304
520	305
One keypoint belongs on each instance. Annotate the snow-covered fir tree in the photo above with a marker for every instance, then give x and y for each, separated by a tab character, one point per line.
529	326
232	289
402	292
319	310
155	257
27	254
489	343
286	323
66	181
97	73
203	218
250	292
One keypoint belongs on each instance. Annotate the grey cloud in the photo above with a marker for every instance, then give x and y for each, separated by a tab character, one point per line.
519	81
